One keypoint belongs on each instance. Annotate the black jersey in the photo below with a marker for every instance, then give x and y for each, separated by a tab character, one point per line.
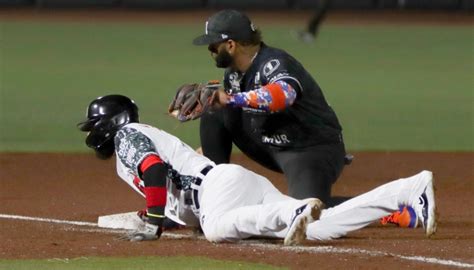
307	122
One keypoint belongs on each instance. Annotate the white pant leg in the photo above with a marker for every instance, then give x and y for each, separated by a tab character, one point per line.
364	209
237	203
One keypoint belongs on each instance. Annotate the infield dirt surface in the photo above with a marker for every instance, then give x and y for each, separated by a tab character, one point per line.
80	187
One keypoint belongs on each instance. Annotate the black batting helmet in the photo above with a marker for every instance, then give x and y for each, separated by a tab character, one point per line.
105	116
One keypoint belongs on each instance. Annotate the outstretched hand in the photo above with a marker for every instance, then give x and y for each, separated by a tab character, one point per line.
149	232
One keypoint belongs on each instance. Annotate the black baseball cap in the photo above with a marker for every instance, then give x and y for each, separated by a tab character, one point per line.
226	24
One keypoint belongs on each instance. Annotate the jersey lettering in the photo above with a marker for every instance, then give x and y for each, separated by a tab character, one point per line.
276	139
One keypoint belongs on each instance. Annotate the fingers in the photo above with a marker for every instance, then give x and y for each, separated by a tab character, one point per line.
142	237
220	99
137	236
199	150
149	232
123	237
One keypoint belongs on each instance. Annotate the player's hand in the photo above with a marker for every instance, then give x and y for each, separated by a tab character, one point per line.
222	99
149	232
143	215
199	150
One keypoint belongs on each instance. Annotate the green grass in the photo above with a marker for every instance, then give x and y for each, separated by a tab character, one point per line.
140	263
393	87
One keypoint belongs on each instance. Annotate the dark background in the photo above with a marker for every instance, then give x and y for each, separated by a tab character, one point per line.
466	5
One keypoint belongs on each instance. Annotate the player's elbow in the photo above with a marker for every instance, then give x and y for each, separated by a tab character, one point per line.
283	95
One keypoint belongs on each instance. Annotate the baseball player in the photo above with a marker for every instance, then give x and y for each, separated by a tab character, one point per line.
273	110
228	201
314	23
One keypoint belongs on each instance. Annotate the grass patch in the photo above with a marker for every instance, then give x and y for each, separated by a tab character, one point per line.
393	87
140	263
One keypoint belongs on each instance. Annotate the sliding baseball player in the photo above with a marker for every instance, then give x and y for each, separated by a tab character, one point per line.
227	201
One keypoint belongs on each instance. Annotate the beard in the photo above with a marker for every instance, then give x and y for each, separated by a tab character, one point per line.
224	59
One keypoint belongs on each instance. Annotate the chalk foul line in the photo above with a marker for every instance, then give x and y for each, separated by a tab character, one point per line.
332	249
252	243
50	220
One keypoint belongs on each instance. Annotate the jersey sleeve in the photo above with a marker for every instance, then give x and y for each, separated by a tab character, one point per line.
132	147
280	69
136	151
272	97
154	173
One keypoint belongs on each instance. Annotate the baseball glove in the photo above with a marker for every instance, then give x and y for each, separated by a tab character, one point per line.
192	100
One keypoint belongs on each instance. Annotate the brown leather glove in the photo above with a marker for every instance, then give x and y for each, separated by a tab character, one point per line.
192	100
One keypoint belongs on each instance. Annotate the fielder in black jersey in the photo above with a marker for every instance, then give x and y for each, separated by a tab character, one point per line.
271	108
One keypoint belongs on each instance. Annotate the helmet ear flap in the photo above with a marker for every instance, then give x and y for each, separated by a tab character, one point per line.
106	150
102	133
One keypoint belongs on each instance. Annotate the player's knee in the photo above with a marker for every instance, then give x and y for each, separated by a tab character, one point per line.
217	232
211	237
213	234
211	230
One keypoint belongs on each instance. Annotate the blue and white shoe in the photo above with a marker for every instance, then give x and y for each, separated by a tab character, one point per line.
424	203
303	215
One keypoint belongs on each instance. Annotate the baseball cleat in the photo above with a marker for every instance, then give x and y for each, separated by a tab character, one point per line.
304	215
403	218
425	205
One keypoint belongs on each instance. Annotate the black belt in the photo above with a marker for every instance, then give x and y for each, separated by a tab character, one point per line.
194	187
203	173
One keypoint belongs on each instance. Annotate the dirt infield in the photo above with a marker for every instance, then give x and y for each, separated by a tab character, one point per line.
78	187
